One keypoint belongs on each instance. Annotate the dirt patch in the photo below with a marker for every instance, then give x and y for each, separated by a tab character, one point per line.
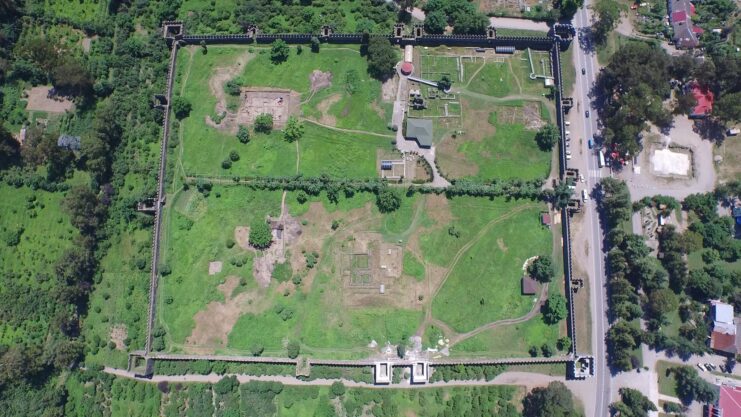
531	114
454	164
242	237
527	115
221	76
39	99
214	267
320	80
324	105
286	231
119	333
438	209
388	89
255	101
502	246
473	121
215	322
87	42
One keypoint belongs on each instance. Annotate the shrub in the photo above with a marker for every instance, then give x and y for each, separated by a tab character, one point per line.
279	52
165	270
301	197
294	130
257	349
181	107
230	243
232	88
234	156
260	235
388	200
264	123
293	349
243	134
226	164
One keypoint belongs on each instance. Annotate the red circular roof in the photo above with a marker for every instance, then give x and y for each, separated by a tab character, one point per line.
407	68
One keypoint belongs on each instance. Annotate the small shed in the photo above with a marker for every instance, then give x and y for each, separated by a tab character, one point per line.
69	142
504	49
545	219
386	165
529	286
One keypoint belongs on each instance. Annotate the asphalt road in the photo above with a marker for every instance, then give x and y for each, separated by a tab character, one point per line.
592	230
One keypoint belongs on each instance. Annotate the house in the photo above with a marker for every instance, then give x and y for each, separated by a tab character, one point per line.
724	337
704	98
729	402
419	130
685	32
69	142
529	286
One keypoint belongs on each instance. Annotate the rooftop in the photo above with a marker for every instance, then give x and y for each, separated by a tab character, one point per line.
420	130
704	99
729	402
722	312
529	286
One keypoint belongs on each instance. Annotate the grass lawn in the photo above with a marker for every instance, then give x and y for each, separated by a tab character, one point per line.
320	150
506	150
34	232
667	384
510	341
494	79
568	72
484	284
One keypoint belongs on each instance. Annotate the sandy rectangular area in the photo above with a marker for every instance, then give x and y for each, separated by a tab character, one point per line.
668	162
38	100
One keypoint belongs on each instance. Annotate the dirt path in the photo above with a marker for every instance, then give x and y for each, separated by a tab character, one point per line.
362	132
514	75
506	322
428	309
475	73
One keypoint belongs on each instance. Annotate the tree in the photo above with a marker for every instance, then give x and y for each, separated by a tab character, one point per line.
382	58
632	404
555	309
470	23
388	200
264	123
337	389
243	134
10	149
293	130
564	344
562	194
616	201
257	349
260	234
690	387
608	17
435	22
71	78
96	156
444	83
541	269
555	400
293	350
226	385
84	209
547	137
181	107
727	109
315	45
662	302
621	340
279	52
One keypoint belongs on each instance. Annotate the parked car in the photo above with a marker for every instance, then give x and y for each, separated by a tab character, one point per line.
702	368
590	144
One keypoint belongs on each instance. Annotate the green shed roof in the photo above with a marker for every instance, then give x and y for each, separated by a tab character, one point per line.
420	130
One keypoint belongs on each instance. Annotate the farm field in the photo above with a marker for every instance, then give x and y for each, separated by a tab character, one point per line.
318	284
342	135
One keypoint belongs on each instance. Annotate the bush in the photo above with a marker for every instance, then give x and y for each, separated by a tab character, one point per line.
230	243
294	130
388	200
226	164
181	107
264	123
257	349
260	235
232	88
279	52
234	156
243	134
293	349
165	270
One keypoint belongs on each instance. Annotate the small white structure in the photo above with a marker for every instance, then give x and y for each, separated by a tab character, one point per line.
408	53
383	372
420	372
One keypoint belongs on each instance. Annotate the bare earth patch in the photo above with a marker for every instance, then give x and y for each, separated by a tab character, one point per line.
215	322
502	246
320	80
388	89
438	209
119	333
286	230
324	105
242	237
214	267
39	100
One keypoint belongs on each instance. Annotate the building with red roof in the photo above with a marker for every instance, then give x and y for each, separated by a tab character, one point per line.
685	32
704	98
729	403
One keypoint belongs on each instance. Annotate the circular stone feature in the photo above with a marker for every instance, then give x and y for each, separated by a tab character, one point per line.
407	68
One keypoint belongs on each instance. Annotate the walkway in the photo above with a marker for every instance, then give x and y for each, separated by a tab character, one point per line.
499	22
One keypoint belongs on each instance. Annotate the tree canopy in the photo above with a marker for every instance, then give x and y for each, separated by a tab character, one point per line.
264	123
555	309
541	269
293	130
632	404
181	107
260	234
555	400
382	57
547	137
279	52
388	200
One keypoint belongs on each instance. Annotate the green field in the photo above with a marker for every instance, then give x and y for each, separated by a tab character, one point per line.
320	312
667	385
343	150
35	232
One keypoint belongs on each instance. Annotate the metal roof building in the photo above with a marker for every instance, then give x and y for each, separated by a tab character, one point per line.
419	130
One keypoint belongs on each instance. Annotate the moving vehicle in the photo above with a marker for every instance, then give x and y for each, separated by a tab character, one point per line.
583	71
584	195
601	159
586	113
590	143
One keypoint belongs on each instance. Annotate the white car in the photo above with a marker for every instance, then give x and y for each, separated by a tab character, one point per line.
568	153
581	177
702	368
